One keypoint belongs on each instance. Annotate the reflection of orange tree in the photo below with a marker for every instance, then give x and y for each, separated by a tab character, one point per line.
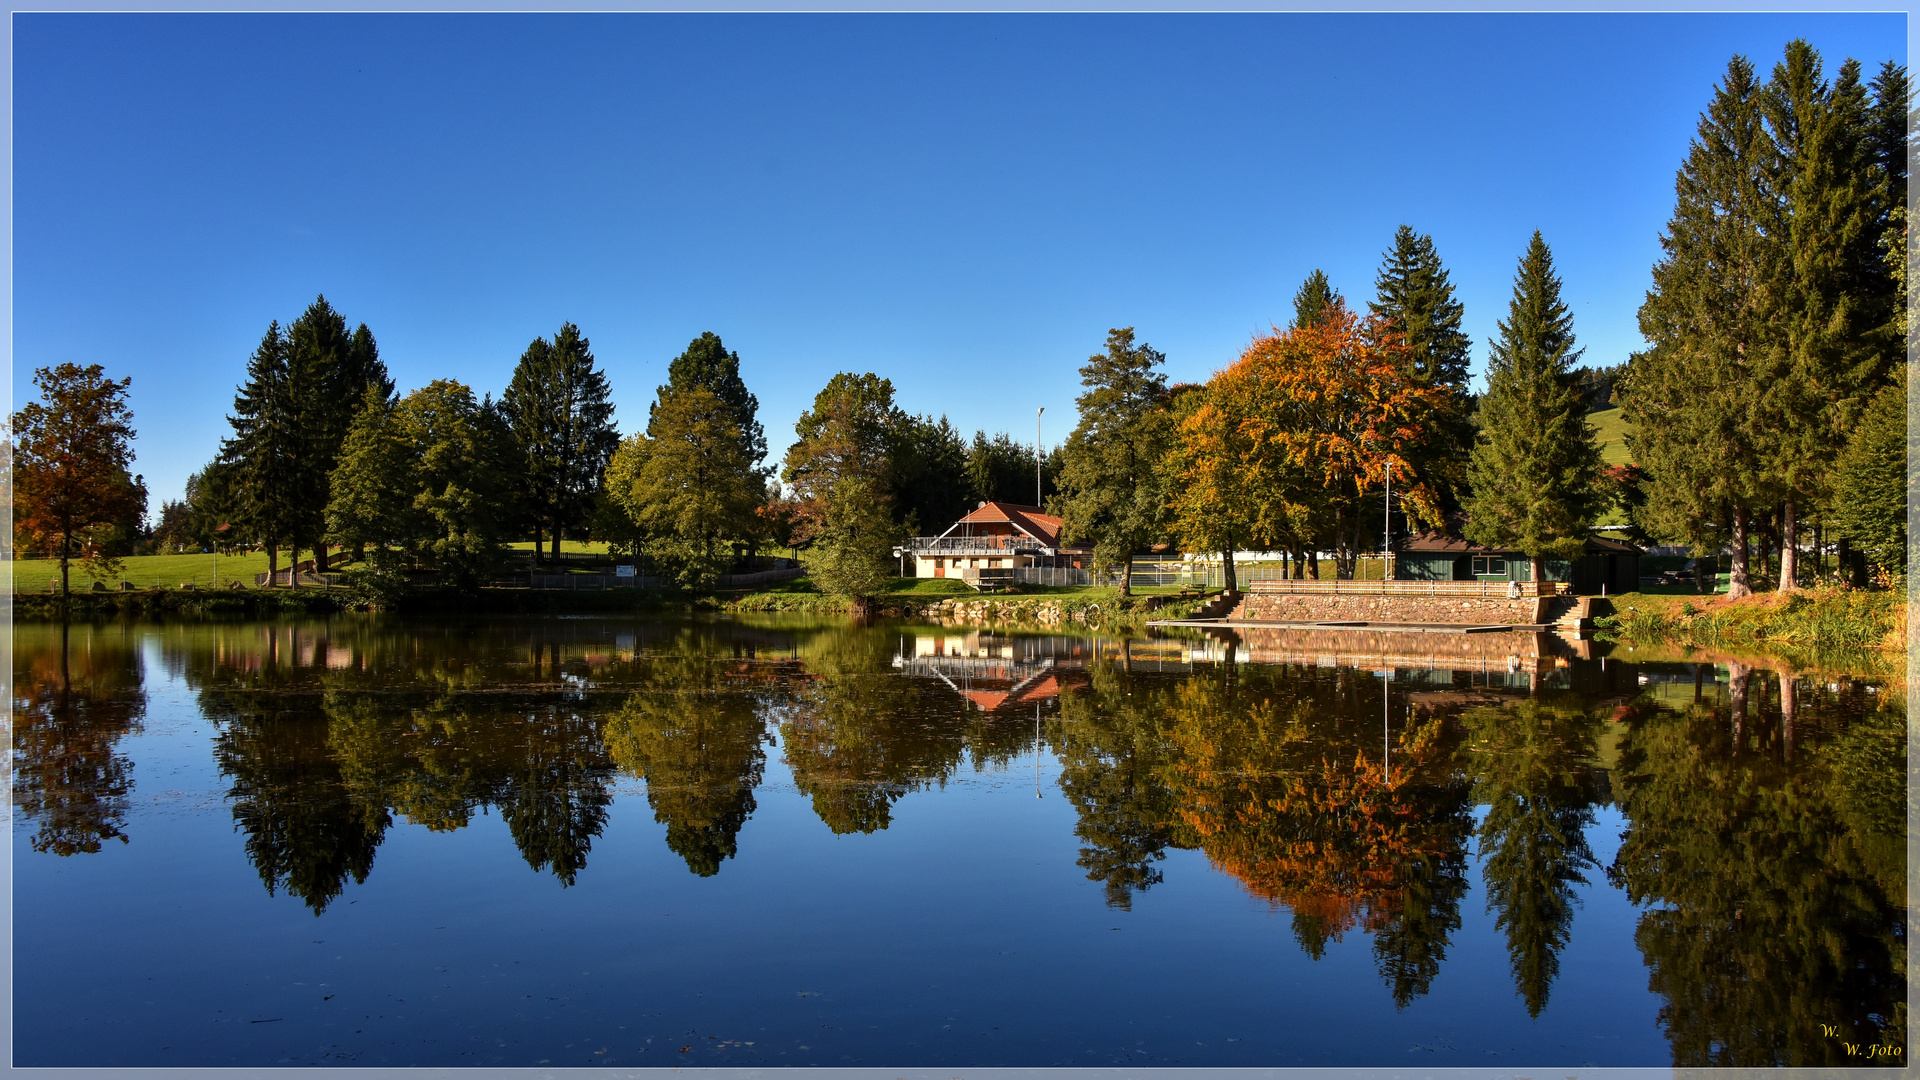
1280	793
1774	884
75	694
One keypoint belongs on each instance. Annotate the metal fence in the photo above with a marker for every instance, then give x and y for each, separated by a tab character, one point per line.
1376	587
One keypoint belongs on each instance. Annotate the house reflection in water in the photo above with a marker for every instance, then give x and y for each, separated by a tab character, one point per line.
994	672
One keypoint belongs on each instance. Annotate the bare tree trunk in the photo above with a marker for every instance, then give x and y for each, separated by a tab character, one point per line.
1789	553
1706	568
1537	566
320	557
273	566
1738	585
556	542
66	555
1313	564
1126	576
1226	563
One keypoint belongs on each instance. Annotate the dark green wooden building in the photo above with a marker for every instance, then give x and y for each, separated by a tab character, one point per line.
1439	556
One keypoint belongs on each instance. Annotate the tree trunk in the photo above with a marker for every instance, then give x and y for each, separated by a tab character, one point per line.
1789	553
66	554
1786	714
273	565
320	558
1313	564
1226	563
1706	568
1737	674
1537	566
1126	576
556	543
1738	585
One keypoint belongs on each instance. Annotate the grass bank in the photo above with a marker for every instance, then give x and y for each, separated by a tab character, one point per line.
173	603
1825	618
948	600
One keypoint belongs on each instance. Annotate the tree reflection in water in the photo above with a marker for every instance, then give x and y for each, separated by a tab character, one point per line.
76	692
1764	817
1771	857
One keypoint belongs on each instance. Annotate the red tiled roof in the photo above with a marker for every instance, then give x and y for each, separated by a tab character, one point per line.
1031	520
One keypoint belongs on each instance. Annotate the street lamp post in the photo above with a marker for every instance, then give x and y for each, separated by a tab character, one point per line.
1039	456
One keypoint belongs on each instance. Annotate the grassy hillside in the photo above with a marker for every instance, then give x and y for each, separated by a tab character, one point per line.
1610	431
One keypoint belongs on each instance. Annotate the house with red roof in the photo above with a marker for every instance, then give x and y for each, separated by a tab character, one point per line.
996	536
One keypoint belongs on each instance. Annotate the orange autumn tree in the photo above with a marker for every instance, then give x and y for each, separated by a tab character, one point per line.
1317	418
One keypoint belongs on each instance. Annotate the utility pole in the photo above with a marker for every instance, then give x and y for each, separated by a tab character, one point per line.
1039	456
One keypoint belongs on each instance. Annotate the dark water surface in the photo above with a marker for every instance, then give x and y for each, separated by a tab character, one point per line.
621	842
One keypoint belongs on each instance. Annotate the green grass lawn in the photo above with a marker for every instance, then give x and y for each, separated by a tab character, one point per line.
1610	431
147	571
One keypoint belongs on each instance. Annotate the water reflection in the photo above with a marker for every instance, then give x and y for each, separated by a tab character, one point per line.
1350	783
76	694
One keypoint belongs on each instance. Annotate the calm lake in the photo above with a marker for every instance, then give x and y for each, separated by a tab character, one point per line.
574	841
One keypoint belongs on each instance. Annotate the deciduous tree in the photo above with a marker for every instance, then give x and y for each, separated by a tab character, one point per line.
70	457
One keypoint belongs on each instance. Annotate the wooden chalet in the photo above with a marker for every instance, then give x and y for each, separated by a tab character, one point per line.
996	535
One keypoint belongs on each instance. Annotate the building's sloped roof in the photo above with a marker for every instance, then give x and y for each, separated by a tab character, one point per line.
1031	520
1435	541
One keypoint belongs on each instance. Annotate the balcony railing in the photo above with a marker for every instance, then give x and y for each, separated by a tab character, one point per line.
964	545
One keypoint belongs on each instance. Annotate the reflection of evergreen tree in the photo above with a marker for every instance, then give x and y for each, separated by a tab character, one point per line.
76	692
556	799
1111	751
1775	886
1535	768
696	737
305	834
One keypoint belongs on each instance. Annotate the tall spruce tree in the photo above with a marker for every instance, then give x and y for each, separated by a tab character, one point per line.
1313	300
268	450
1413	290
708	363
1835	307
329	372
563	429
1691	399
1111	484
1535	463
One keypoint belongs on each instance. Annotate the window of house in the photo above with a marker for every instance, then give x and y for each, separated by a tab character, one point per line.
1489	565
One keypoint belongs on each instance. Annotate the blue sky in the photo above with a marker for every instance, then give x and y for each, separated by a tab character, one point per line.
964	204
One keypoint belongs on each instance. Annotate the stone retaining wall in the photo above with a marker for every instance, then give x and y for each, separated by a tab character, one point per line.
1322	607
1361	648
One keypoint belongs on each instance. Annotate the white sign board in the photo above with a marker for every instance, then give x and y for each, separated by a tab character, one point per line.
623	571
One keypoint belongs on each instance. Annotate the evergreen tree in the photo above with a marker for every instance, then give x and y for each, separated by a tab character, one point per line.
329	372
847	433
373	486
1535	464
708	363
1313	299
1414	292
1110	479
1691	397
562	425
268	451
1872	489
927	473
1002	469
1835	307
